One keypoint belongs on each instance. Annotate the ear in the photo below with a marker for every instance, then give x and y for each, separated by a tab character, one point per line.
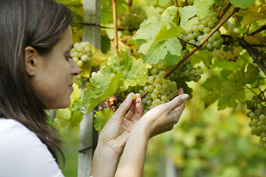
30	60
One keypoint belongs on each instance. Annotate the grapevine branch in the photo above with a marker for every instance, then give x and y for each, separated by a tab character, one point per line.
258	30
115	26
201	43
253	53
221	14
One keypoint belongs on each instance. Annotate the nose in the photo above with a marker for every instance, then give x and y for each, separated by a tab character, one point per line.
74	68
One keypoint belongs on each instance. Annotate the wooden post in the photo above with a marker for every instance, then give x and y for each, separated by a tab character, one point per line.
88	135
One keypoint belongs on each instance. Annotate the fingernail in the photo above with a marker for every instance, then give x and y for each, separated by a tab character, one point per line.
129	98
185	97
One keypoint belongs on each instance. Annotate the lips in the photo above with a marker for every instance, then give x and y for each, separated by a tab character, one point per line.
71	87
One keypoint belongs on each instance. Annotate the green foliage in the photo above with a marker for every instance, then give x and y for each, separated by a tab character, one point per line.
203	7
243	3
101	117
155	38
100	88
119	73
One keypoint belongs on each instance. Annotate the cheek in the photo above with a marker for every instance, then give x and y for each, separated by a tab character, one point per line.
53	88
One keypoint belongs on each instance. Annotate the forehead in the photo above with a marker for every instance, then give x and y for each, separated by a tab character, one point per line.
66	42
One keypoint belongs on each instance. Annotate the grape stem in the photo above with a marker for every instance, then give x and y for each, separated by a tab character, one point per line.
221	14
115	26
201	43
187	42
254	54
258	30
104	27
130	2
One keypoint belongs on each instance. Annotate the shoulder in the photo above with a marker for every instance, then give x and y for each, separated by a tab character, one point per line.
23	154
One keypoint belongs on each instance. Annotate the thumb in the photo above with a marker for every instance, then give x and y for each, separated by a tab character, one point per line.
177	101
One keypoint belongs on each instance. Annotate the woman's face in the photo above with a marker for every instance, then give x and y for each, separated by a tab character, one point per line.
53	78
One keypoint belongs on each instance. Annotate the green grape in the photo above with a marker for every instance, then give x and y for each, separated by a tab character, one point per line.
81	54
135	17
257	115
207	30
133	96
200	30
80	63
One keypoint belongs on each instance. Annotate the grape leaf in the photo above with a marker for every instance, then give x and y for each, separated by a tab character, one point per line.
151	2
172	59
213	86
63	114
186	13
76	93
203	7
76	118
202	55
248	77
154	30
136	74
101	118
159	51
230	93
100	88
243	3
164	2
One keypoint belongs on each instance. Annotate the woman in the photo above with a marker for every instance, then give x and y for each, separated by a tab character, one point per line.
36	74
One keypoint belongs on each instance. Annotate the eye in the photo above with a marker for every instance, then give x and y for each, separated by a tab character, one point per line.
68	57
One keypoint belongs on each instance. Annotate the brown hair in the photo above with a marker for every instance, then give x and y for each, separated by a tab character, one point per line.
36	23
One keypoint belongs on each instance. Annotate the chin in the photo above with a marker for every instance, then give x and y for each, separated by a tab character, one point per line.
62	105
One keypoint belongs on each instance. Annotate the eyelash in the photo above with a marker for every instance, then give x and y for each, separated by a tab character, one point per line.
68	57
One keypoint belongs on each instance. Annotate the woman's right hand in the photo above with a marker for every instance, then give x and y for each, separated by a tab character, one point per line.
163	117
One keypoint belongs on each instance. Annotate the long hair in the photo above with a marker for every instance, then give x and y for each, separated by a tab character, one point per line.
36	23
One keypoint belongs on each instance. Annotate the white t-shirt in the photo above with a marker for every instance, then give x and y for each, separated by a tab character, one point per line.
22	154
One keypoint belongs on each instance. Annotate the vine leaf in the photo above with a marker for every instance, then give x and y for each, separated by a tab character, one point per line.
100	88
119	73
203	7
163	50
186	13
101	118
213	85
243	3
230	93
229	88
155	35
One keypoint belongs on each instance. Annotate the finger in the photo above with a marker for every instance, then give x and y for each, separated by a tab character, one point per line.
140	110
177	101
180	91
127	125
176	113
138	113
131	112
123	108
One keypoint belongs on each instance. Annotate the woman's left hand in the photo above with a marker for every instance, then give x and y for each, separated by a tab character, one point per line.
116	131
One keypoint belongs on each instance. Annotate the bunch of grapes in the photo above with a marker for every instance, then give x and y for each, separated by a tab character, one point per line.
82	53
135	17
187	73
257	123
160	90
200	30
